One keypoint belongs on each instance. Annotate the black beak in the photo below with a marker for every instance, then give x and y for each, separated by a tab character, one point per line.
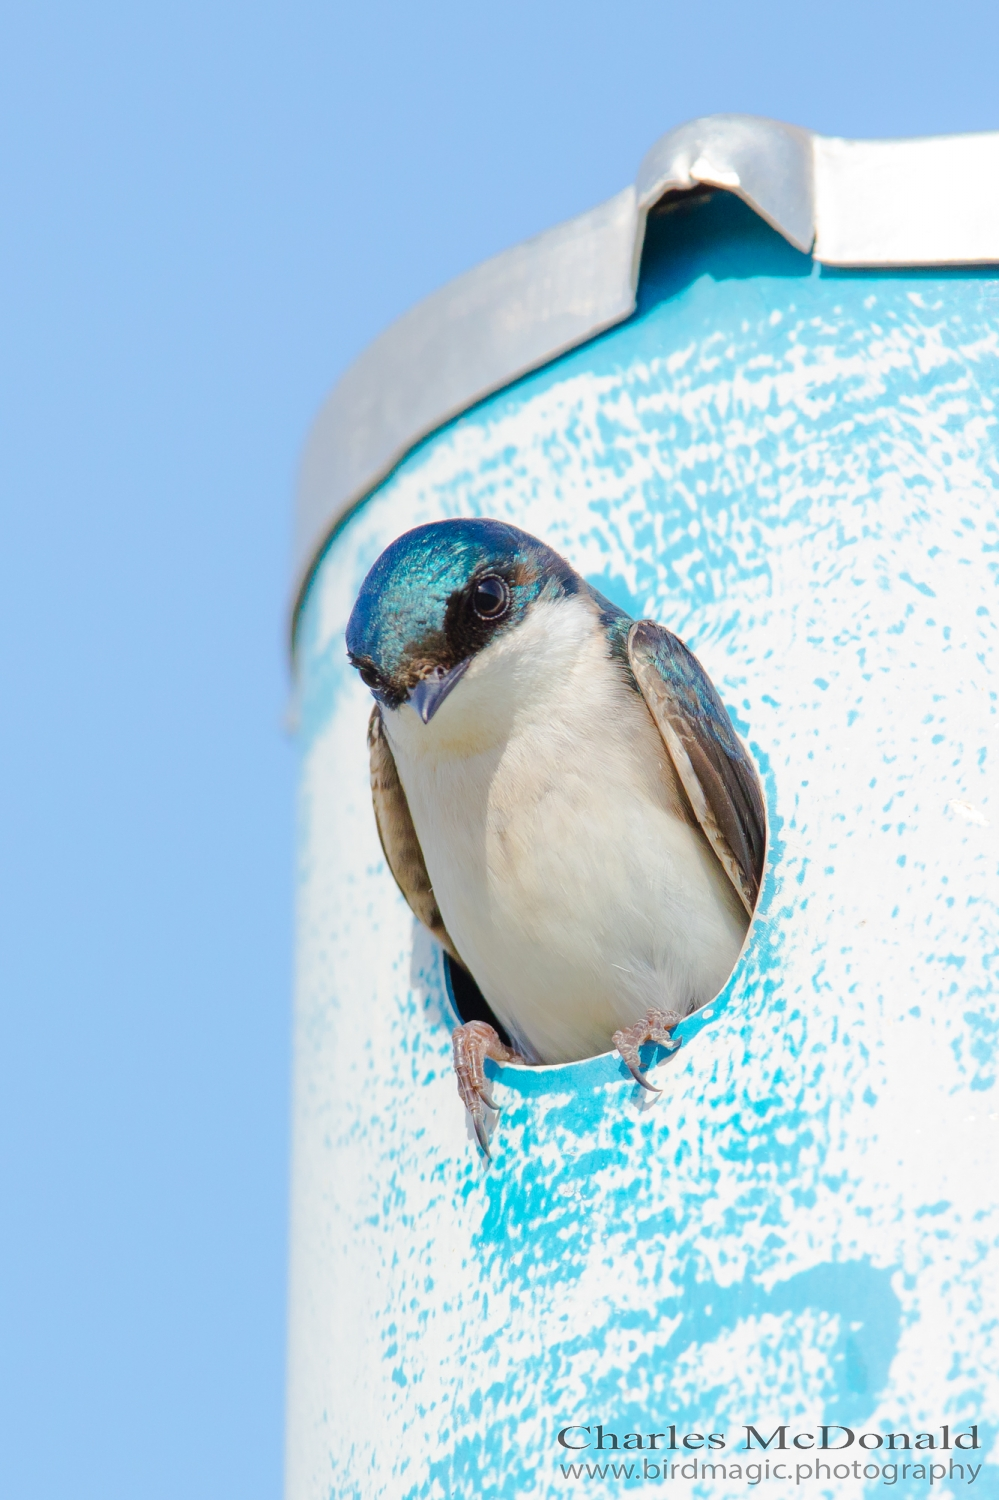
430	692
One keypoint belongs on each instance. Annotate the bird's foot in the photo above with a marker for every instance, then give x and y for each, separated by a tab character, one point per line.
655	1028
473	1043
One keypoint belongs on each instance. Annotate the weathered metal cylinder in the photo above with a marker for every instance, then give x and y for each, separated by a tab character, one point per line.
753	398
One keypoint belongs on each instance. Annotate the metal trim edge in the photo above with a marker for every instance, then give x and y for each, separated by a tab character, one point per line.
849	203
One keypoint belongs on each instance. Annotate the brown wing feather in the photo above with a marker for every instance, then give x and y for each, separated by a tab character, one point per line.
400	844
717	774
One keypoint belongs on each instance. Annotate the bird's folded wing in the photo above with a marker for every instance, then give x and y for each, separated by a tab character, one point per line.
717	774
400	844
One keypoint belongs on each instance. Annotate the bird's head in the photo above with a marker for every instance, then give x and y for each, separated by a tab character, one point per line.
437	597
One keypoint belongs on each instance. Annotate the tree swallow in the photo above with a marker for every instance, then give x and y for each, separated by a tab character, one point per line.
560	796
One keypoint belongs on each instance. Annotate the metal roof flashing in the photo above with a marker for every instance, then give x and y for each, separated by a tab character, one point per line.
894	203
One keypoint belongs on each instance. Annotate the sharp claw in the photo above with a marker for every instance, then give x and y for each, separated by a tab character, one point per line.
472	1043
640	1077
483	1139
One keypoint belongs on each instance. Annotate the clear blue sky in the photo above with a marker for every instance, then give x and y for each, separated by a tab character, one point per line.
206	211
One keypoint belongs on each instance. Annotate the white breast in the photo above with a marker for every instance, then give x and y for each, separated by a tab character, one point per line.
568	876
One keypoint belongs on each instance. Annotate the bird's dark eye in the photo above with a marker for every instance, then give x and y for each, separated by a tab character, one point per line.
368	676
490	598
